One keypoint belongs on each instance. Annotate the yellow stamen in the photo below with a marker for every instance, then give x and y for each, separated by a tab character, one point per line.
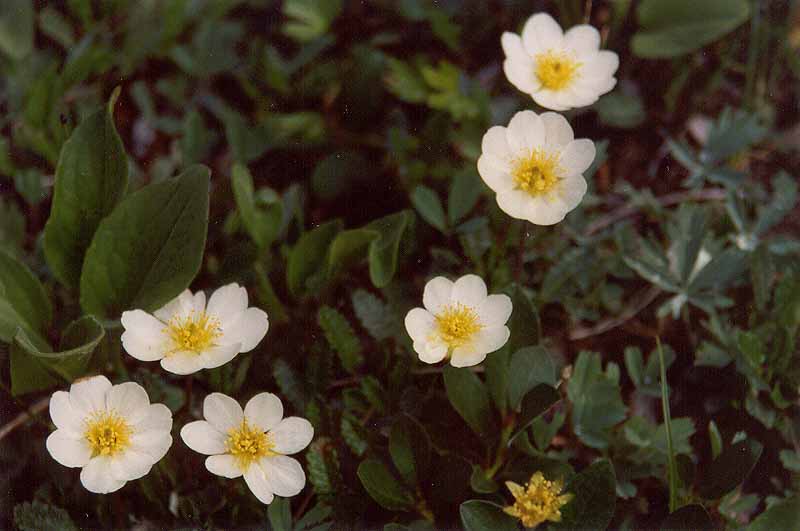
540	500
456	325
107	433
537	173
248	444
556	70
193	333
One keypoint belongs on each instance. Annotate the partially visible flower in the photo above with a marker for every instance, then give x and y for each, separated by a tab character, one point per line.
535	166
559	70
112	432
539	501
254	443
186	335
459	320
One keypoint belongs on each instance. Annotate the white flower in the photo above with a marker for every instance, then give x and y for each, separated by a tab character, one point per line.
559	70
186	335
459	320
254	443
112	432
534	165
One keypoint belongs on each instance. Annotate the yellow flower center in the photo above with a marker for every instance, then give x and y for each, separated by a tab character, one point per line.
537	173
248	444
456	325
193	333
538	501
556	70
107	433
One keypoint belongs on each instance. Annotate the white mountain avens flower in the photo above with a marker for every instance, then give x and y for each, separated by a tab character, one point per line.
459	320
559	70
535	166
112	432
254	443
186	335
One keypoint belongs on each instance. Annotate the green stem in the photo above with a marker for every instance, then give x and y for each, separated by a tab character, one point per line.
673	465
502	447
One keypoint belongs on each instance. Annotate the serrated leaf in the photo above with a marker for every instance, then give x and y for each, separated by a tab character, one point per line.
91	179
382	486
150	248
323	466
353	435
341	337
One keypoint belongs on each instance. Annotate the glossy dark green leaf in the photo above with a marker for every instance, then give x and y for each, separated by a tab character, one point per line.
594	498
688	518
308	255
480	515
91	179
409	447
262	224
383	487
465	191
349	247
470	397
23	301
529	367
150	248
280	514
429	206
536	401
728	470
481	483
383	250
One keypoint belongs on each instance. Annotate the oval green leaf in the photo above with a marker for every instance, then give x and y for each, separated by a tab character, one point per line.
470	398
480	515
383	487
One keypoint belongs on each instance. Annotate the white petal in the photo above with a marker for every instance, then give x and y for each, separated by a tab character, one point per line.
264	410
96	476
89	395
583	40
68	450
180	307
437	294
577	156
525	132
419	323
537	210
495	310
469	290
258	483
291	435
219	355
566	99
430	352
515	203
601	66
203	438
223	465
541	33
558	132
199	303
488	340
285	475
521	75
144	336
549	100
153	443
495	173
130	465
130	400
64	415
182	362
158	418
513	47
227	302
222	411
248	327
494	143
572	191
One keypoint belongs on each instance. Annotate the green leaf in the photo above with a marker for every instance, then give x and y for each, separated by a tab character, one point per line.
309	19
465	191
529	367
480	515
409	447
594	498
688	518
677	27
620	109
470	397
196	139
33	365
261	225
715	438
673	467
405	82
280	515
524	321
35	516
783	514
341	337
480	482
348	247
337	173
150	248
314	516
597	402
23	301
720	271
382	486
16	28
429	206
91	179
729	469
536	402
634	364
383	250
308	255
374	315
